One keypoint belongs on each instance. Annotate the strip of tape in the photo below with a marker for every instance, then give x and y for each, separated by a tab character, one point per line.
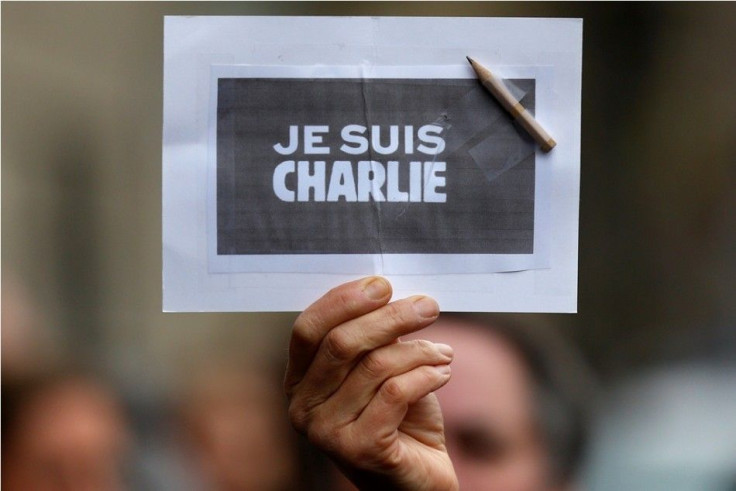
472	124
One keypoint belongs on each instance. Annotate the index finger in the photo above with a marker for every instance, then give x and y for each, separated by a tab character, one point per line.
339	305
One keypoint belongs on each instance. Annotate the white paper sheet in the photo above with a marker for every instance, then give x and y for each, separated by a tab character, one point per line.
198	50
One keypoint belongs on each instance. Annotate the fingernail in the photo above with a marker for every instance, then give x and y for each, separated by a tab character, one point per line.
377	288
426	307
443	369
445	349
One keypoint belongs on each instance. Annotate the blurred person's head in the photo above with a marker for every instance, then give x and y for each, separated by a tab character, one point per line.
514	410
234	420
62	432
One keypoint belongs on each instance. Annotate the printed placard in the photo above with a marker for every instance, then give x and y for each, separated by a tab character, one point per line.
303	152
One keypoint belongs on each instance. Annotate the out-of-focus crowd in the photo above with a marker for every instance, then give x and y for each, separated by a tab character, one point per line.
517	417
66	426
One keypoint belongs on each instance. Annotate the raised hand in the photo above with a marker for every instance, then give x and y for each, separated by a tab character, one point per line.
364	396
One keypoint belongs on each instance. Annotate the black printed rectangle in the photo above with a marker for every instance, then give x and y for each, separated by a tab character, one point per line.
489	168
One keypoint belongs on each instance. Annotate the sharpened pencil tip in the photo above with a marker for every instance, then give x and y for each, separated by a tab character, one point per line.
470	60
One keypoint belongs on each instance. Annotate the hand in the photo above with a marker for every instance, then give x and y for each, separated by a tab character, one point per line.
364	396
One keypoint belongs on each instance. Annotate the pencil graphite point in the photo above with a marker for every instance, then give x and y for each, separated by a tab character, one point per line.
509	102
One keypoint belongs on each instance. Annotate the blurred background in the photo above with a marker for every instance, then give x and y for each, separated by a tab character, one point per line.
81	244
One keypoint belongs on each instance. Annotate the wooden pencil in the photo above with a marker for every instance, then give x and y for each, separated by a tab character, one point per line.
509	102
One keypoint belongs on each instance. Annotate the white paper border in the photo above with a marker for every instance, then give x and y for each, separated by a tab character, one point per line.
193	44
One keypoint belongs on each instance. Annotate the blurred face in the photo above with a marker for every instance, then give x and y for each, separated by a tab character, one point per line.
488	409
72	437
240	436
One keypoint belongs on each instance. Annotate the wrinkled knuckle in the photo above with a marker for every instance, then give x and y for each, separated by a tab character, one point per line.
303	320
374	366
430	376
342	299
392	461
397	313
304	330
426	348
392	391
298	417
338	346
354	446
